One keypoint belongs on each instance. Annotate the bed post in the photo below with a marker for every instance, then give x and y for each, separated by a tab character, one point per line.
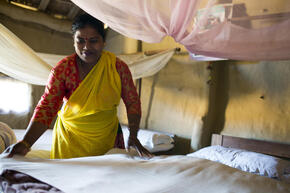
216	139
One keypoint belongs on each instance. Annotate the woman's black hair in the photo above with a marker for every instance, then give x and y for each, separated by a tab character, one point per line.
85	19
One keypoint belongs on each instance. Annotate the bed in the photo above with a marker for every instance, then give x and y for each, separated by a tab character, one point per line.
119	171
156	142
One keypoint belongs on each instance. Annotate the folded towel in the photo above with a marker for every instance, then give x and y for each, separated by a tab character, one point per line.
7	136
152	140
159	147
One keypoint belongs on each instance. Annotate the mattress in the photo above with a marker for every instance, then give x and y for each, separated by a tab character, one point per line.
132	174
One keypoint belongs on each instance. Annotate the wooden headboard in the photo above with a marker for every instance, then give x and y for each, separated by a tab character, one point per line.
265	147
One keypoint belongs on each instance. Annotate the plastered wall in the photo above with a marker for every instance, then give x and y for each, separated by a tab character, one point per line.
175	100
259	100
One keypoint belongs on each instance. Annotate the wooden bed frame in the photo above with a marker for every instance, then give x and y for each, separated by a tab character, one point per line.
265	147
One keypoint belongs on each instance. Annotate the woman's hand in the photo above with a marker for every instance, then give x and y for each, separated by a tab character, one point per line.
19	148
134	142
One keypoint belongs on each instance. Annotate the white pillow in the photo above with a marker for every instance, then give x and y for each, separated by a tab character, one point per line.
154	141
257	163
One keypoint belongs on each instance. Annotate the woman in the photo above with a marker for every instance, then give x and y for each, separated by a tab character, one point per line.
90	83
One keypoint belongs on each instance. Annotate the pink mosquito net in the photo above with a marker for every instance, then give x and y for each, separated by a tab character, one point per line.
233	29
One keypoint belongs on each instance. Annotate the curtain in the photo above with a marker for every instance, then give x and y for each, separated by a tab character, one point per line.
241	30
19	61
140	64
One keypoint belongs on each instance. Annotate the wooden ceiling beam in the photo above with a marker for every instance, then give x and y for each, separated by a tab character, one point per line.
73	12
43	5
37	17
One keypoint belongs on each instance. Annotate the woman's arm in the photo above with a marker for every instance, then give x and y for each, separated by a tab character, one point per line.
134	121
33	132
133	107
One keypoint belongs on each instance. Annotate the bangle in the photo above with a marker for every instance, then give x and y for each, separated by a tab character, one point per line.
27	145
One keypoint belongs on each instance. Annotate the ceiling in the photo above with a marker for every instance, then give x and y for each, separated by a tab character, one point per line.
60	9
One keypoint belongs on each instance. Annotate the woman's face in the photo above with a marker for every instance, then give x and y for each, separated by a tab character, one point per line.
88	44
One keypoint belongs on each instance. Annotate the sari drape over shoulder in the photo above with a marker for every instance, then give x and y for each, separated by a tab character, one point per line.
87	124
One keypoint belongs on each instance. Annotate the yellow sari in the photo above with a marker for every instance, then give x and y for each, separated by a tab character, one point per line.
87	124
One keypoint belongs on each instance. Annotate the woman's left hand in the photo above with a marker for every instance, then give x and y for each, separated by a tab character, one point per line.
134	142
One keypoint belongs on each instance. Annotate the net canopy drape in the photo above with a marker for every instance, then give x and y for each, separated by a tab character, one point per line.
241	30
19	61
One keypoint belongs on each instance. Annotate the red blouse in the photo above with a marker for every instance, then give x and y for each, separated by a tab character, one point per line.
64	79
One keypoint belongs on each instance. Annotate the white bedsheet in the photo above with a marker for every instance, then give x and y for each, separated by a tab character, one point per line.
125	173
43	143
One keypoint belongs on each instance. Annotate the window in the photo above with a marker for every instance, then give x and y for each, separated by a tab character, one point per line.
15	96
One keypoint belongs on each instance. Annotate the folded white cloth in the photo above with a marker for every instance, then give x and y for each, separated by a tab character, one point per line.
160	147
7	136
154	141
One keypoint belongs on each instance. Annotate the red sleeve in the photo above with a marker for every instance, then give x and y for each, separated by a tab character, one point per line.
51	100
129	93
